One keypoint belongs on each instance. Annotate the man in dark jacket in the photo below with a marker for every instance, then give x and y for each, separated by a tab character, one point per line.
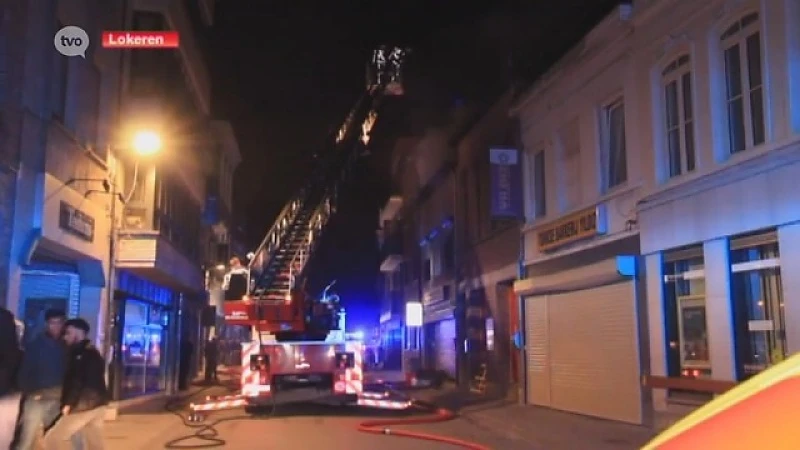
84	394
10	354
40	378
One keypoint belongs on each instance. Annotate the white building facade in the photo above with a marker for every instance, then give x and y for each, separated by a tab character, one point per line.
676	139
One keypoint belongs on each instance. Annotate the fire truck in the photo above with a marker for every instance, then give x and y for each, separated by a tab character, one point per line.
299	350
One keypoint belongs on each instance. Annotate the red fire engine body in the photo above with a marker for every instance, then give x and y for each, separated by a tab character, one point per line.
298	350
276	368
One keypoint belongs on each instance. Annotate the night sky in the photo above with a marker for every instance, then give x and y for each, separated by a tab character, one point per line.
286	74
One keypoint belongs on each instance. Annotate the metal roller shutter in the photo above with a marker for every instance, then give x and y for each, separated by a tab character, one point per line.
446	346
537	339
43	284
583	352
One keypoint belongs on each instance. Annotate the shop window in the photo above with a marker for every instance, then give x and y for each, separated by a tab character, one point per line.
685	316
144	367
757	297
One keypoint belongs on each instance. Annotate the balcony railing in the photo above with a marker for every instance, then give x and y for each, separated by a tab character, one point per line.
391	251
149	254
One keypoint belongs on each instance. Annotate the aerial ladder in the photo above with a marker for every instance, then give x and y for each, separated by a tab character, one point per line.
298	349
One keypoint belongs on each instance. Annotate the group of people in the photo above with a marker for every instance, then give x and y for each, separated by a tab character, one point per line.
54	387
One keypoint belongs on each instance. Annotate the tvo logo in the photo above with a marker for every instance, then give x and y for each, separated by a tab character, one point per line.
71	41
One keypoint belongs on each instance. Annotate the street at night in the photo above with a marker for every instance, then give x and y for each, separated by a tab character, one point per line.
505	224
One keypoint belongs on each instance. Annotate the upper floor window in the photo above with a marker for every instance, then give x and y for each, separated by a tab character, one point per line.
60	85
570	165
741	44
678	112
613	150
539	186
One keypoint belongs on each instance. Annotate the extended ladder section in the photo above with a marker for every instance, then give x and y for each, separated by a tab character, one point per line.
276	302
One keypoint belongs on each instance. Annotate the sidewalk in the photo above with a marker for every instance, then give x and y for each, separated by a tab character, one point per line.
539	428
144	425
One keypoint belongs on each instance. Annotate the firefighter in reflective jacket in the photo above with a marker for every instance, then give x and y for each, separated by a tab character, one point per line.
235	282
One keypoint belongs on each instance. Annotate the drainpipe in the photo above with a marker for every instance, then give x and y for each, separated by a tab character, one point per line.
462	360
522	389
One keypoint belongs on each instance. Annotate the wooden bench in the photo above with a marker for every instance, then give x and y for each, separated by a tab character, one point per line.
716	387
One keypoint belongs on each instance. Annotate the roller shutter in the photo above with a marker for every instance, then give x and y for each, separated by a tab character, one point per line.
583	352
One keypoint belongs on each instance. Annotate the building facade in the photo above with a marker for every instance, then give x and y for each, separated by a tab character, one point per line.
160	289
580	291
222	232
392	284
59	116
487	250
718	223
684	135
419	219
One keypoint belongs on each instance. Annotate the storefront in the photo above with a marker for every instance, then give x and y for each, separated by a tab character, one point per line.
61	261
148	336
721	307
390	351
439	331
581	322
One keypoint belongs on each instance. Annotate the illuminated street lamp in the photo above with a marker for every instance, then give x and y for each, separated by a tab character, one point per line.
146	143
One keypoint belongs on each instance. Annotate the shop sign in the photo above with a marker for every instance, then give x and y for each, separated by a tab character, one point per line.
581	225
76	222
505	183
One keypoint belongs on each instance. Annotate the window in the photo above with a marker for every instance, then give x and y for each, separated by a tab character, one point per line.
759	321
571	165
177	217
539	186
679	115
685	315
149	68
614	153
744	88
448	254
426	270
466	207
60	84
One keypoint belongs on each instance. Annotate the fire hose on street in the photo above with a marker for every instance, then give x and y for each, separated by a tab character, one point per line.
382	426
206	435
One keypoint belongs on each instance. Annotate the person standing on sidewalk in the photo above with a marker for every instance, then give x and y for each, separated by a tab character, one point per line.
212	360
10	354
84	395
40	378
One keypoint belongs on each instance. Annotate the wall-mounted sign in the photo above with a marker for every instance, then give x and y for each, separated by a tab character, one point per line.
75	221
505	173
581	225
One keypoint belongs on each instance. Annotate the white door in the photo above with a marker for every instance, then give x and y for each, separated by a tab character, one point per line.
583	352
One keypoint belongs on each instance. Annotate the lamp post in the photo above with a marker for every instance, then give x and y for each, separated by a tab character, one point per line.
144	143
